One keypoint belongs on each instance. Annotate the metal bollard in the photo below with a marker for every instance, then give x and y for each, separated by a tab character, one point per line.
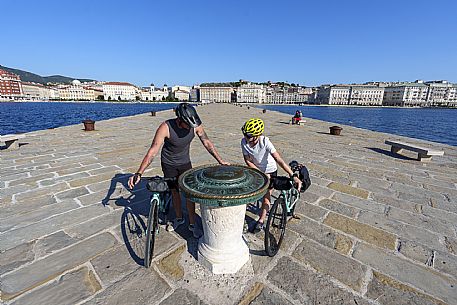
89	125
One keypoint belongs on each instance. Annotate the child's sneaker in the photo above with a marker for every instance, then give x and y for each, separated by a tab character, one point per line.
176	223
245	227
259	226
195	231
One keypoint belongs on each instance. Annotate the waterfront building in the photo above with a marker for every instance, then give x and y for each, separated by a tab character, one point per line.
366	95
10	85
53	93
194	94
406	94
418	93
288	95
180	92
158	94
350	95
145	94
216	94
34	91
94	90
119	91
74	92
180	87
441	94
182	95
93	94
333	95
250	93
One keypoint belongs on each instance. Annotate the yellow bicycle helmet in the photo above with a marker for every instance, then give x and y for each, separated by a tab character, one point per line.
253	127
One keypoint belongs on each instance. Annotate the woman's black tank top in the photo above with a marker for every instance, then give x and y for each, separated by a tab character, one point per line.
175	150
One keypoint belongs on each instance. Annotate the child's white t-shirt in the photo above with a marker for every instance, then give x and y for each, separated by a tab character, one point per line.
261	154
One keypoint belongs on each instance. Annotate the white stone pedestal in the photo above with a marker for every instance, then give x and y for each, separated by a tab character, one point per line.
222	249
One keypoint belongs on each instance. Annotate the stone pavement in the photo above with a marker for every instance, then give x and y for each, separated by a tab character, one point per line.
375	228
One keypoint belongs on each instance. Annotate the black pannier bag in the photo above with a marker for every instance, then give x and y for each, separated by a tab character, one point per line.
157	184
305	178
282	183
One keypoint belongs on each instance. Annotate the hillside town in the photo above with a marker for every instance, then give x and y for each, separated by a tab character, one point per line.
438	93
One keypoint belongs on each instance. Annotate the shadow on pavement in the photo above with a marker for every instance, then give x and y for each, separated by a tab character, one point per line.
136	204
328	133
389	153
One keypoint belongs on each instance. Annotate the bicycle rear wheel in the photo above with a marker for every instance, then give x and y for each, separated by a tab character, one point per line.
151	231
276	226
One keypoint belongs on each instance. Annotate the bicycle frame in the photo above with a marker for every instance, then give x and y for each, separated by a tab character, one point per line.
159	204
282	209
287	195
164	200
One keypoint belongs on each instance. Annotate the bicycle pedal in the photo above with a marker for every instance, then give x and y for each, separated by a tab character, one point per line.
296	217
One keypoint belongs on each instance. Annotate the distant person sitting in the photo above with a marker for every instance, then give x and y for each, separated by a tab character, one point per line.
296	118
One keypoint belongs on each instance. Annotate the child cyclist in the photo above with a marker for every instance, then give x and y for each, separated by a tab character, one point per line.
260	153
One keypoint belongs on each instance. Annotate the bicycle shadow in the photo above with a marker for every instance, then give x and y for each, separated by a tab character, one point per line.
133	222
134	217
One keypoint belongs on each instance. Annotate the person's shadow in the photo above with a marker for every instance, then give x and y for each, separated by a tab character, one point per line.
133	222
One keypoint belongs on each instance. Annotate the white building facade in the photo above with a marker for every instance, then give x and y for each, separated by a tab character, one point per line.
251	93
33	91
119	91
334	95
408	94
366	95
288	95
182	95
216	94
350	95
420	94
180	87
441	94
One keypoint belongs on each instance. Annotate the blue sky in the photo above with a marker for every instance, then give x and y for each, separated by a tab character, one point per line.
189	42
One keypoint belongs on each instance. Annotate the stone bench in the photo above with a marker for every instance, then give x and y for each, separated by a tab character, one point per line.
11	140
424	154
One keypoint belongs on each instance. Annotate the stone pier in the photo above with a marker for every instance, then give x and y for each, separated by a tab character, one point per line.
374	227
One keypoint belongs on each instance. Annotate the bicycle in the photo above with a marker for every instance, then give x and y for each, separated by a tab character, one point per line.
284	206
159	204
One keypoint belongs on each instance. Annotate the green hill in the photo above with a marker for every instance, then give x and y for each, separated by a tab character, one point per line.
35	78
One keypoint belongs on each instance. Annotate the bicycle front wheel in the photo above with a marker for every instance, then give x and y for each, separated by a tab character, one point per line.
151	231
276	227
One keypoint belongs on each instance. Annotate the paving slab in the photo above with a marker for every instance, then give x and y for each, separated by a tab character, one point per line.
435	284
41	271
306	287
70	289
142	287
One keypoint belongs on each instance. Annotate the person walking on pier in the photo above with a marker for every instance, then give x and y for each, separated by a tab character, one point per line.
176	136
260	153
